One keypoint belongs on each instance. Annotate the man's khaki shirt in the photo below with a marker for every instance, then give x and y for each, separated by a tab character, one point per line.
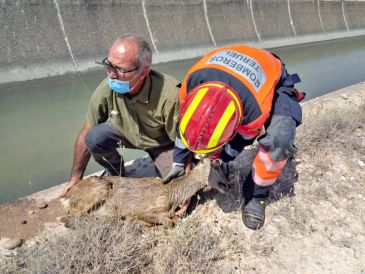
147	120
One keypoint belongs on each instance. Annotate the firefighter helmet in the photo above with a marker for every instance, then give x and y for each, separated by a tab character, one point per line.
209	117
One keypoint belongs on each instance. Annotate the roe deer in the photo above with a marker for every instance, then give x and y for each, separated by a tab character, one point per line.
146	199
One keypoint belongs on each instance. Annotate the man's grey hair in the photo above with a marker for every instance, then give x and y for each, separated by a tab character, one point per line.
144	56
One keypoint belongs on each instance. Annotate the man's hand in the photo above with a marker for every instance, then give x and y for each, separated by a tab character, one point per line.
176	171
67	188
81	158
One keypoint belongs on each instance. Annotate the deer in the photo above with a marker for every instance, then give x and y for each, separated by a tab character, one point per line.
146	199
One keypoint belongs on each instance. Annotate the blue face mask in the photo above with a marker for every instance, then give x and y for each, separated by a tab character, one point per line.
119	86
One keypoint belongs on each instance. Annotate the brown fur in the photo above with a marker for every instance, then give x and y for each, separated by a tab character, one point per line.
147	199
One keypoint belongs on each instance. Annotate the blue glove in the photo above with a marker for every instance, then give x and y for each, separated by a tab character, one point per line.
176	171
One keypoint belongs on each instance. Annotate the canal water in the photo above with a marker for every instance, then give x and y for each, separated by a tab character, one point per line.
39	120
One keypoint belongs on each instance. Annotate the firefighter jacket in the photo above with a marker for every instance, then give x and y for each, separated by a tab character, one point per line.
260	79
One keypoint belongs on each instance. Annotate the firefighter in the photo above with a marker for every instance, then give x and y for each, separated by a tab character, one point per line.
229	98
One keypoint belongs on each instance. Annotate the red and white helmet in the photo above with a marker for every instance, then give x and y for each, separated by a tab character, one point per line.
210	117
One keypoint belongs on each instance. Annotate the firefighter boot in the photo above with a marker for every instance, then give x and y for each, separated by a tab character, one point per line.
254	213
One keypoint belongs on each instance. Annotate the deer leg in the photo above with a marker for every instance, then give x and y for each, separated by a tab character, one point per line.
174	219
183	207
158	219
144	223
148	226
168	223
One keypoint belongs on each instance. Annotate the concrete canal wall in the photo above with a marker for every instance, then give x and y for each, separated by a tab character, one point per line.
43	38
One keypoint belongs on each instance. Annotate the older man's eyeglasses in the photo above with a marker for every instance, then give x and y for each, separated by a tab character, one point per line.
108	66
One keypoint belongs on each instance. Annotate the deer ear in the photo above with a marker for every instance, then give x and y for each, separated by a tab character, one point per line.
203	158
217	177
216	163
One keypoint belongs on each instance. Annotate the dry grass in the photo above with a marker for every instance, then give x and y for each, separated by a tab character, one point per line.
93	246
333	128
189	248
111	246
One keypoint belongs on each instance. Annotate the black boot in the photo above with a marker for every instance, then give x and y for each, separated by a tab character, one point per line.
253	213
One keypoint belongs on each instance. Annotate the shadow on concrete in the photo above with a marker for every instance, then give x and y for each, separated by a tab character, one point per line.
141	167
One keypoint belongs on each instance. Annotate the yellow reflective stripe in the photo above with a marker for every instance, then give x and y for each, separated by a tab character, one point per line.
221	125
237	101
190	111
212	84
206	151
201	151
